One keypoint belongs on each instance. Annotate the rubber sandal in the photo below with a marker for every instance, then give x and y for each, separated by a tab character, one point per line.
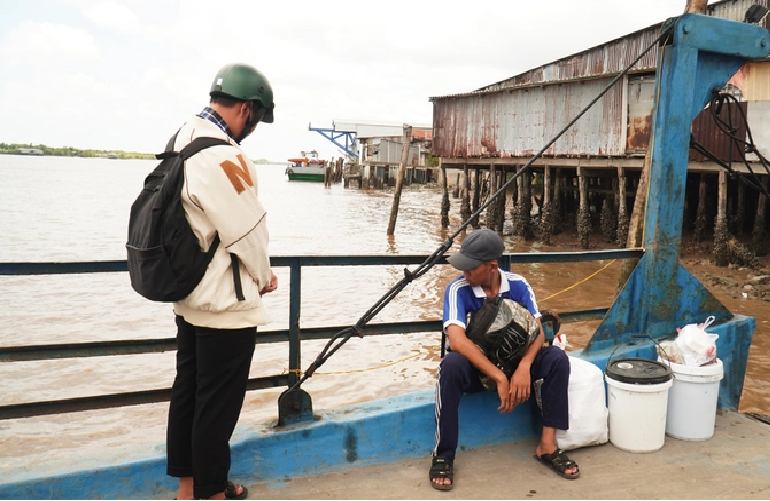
230	492
441	468
560	463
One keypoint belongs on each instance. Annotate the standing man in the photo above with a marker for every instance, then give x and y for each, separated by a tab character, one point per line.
539	370
217	323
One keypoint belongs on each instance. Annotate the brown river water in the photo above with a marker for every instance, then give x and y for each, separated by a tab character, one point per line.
74	209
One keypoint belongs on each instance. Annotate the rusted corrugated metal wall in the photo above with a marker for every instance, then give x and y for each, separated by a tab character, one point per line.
514	117
516	123
736	9
707	133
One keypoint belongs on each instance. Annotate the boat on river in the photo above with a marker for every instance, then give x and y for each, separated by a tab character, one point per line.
658	296
307	167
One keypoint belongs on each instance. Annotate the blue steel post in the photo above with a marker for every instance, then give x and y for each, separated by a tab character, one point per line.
295	298
660	295
706	52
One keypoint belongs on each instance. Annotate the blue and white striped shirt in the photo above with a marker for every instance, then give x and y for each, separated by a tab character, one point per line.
460	299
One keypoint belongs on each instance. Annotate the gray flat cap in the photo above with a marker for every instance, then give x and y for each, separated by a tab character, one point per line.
481	245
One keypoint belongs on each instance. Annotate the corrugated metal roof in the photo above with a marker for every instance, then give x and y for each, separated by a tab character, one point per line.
514	117
611	57
607	59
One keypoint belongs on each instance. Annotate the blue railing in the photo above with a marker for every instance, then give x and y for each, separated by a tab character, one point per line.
294	334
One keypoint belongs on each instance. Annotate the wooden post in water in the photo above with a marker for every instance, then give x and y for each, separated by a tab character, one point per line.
556	207
622	235
444	200
476	196
740	214
721	231
501	201
700	217
546	219
465	207
758	234
492	208
584	212
406	141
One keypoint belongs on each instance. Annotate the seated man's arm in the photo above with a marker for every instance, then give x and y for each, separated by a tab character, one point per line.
520	381
465	347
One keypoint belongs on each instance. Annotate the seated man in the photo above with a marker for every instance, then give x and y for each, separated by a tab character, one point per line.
463	368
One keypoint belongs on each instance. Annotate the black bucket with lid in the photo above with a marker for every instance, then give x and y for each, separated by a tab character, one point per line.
638	371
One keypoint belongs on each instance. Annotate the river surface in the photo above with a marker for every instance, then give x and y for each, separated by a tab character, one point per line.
76	209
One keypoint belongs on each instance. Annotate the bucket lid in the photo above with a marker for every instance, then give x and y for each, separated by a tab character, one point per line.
638	371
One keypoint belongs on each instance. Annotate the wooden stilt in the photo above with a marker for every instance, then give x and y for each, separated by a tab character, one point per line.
444	200
557	209
546	219
721	230
758	234
700	217
492	208
476	196
622	235
465	208
584	215
500	212
740	213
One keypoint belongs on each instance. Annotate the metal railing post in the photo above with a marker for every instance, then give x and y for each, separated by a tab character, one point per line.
295	298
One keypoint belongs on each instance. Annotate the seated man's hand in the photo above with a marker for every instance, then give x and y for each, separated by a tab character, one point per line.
504	392
520	384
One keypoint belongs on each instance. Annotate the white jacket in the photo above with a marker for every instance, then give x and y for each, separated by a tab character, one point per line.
219	195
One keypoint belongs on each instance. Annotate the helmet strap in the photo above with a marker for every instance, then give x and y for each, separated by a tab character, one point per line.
255	117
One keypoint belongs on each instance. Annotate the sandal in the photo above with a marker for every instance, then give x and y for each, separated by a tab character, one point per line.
441	468
232	489
560	463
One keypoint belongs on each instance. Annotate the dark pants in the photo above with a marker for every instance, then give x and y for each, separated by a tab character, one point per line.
456	375
212	370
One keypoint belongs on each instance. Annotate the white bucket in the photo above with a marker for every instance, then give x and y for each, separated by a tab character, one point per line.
637	410
692	401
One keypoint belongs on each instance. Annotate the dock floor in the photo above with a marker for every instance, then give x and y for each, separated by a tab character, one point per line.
733	464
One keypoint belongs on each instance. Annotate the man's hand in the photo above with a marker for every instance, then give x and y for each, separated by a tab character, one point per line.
272	286
520	384
504	392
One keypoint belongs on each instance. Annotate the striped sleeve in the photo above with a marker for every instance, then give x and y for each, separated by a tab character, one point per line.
522	292
455	310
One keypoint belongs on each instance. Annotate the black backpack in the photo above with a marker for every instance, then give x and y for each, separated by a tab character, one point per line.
165	261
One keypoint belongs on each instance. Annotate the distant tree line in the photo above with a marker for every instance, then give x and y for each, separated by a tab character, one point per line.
69	151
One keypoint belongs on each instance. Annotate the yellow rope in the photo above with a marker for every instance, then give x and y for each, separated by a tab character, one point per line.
578	283
299	371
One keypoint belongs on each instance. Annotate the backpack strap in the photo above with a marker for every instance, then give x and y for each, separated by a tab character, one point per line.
237	278
198	144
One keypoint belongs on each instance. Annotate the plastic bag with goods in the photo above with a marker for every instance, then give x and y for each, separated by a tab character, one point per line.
587	404
697	346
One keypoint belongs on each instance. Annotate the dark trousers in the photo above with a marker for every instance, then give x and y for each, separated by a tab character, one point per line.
212	370
456	375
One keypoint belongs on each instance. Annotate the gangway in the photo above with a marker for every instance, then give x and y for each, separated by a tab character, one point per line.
333	135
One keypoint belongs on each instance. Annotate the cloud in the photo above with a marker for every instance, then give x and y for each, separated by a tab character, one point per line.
33	43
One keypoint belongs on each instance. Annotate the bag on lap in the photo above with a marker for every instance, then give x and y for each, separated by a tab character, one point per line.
503	329
165	261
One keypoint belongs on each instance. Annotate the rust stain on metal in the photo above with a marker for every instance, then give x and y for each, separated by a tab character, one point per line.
639	131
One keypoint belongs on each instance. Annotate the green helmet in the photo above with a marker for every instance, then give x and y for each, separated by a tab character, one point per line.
244	82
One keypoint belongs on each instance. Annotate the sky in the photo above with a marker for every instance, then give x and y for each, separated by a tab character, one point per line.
126	74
